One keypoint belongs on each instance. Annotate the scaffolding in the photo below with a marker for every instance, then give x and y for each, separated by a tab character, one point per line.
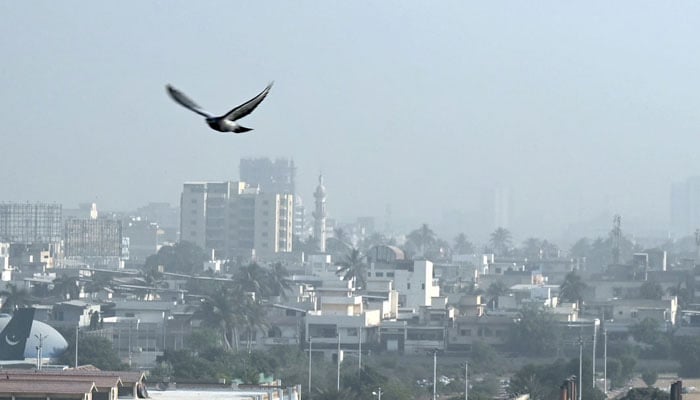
93	238
30	222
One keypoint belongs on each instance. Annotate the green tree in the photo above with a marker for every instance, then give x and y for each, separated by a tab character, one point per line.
646	393
649	377
501	241
580	249
13	298
686	349
533	333
531	248
277	280
423	238
252	278
572	289
183	257
646	331
228	311
354	266
92	350
463	245
651	291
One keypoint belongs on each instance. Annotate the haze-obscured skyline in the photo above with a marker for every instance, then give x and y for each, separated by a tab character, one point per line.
580	110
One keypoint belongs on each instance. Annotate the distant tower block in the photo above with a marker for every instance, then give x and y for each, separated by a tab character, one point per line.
320	215
93	211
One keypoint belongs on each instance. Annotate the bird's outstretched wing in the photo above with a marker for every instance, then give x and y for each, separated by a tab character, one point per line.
186	102
247	107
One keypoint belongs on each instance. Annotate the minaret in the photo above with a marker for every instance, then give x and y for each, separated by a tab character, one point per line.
320	216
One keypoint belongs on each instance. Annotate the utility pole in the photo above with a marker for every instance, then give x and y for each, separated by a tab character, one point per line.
359	350
605	361
310	367
337	385
39	350
580	366
466	380
77	335
595	337
435	374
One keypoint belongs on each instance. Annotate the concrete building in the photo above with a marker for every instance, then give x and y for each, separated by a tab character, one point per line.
236	220
413	280
89	238
142	237
276	176
685	207
30	222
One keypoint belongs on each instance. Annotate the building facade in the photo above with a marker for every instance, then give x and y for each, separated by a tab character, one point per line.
30	222
235	219
93	238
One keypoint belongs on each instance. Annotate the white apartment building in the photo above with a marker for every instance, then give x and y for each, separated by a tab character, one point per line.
235	219
413	280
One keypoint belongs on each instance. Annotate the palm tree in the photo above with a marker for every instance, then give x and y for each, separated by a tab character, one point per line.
423	238
225	310
252	278
532	248
354	266
501	241
463	245
572	289
277	280
13	298
341	235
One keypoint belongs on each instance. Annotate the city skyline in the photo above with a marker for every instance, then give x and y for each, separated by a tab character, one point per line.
581	111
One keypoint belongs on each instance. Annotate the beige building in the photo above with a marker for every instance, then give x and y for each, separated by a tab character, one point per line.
235	219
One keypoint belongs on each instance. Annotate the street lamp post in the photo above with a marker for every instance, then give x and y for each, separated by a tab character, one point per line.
580	367
466	380
39	350
596	322
435	374
77	336
337	384
310	340
605	361
378	393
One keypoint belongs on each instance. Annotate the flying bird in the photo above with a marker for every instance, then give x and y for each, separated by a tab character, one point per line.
226	122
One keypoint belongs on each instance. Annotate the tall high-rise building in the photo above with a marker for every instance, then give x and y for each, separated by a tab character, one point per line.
685	207
271	176
236	219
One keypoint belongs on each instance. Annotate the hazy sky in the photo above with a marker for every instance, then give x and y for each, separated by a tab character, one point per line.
580	110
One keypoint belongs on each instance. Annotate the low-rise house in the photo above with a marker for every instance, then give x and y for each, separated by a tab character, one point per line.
489	329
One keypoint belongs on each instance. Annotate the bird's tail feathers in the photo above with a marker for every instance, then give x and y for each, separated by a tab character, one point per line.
242	129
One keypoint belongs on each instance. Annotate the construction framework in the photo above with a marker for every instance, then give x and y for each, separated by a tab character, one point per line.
30	222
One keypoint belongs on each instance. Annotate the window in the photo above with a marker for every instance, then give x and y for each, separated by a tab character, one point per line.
352	331
422	286
408	286
465	332
379	274
390	274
